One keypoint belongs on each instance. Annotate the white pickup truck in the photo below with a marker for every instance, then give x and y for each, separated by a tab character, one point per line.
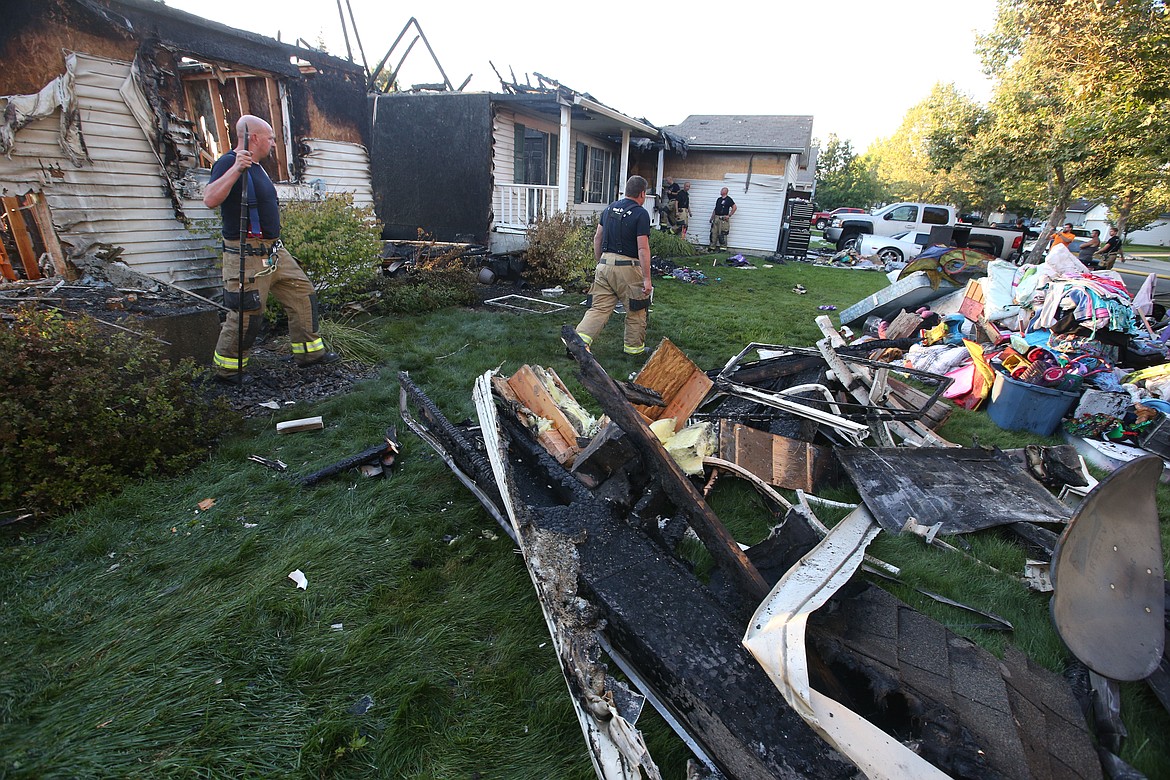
846	229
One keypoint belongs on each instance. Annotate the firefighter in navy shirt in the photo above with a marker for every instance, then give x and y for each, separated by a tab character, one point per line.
621	247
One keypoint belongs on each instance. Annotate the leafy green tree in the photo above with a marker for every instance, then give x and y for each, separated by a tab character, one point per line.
924	159
844	178
1080	89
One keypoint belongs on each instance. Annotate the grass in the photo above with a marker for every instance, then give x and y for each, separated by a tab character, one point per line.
144	638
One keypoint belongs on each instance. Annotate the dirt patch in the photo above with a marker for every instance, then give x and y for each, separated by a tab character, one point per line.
278	382
129	302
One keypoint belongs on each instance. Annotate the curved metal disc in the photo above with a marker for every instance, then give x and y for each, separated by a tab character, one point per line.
1108	600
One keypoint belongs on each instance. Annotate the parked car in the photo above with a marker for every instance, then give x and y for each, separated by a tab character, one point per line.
898	248
822	218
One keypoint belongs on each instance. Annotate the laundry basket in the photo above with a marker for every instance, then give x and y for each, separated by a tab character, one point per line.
1019	406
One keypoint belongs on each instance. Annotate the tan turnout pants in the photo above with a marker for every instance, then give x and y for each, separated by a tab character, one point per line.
617	278
287	282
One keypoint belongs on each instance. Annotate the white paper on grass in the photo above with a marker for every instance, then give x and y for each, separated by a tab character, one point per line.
775	637
299	578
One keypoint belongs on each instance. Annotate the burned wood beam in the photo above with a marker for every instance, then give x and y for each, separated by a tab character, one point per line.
643	396
378	453
677	485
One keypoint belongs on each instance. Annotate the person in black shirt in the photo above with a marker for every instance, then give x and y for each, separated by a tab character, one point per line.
721	219
684	208
621	247
1110	251
268	267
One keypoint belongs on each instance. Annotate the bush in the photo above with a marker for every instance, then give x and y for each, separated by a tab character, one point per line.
338	245
664	244
83	412
430	284
560	251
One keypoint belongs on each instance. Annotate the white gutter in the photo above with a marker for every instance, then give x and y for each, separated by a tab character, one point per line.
592	105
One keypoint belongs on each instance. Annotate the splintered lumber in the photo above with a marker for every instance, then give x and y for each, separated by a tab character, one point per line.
681	383
525	388
678	487
903	396
303	424
44	220
28	255
778	460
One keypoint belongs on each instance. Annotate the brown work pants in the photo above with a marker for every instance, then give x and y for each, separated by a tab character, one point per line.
276	272
613	283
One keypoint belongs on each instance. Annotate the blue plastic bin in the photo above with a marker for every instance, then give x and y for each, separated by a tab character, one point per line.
1019	406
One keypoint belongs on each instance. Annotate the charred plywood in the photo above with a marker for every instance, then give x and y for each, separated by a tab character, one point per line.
662	619
778	460
964	489
444	140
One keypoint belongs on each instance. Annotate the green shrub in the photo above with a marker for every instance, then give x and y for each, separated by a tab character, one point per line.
664	244
560	251
338	244
84	412
429	284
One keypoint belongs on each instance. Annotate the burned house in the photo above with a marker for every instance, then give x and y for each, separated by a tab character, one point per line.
492	163
115	111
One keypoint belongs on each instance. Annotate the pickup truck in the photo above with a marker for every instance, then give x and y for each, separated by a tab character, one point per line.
845	229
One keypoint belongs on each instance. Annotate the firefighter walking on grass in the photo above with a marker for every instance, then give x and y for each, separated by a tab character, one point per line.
621	247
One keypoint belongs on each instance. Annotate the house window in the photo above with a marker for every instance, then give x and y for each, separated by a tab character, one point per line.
218	96
536	156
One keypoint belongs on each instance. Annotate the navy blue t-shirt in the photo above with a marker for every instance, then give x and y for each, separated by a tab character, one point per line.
622	222
266	202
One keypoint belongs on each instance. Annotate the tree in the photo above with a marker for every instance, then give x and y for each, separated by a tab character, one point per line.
844	179
1080	87
923	160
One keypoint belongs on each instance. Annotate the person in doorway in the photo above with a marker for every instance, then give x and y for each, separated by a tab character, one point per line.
621	247
684	208
1086	254
666	204
268	267
1110	251
721	219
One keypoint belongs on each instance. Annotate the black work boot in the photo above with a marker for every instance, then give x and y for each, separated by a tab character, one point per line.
325	359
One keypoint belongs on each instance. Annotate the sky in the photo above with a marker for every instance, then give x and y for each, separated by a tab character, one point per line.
856	66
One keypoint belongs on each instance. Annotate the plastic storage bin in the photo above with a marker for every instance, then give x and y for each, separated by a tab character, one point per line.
1019	406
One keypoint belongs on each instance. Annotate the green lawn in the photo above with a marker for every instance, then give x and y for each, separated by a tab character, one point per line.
144	638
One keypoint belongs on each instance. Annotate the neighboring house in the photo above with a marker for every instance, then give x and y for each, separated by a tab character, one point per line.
758	158
1095	215
114	111
482	167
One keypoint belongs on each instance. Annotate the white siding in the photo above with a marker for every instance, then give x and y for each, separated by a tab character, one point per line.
504	149
119	196
503	154
758	210
342	167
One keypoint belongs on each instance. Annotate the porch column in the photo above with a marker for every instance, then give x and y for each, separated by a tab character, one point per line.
563	146
658	176
625	169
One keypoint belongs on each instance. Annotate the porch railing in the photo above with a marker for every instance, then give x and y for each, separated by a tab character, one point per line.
522	204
